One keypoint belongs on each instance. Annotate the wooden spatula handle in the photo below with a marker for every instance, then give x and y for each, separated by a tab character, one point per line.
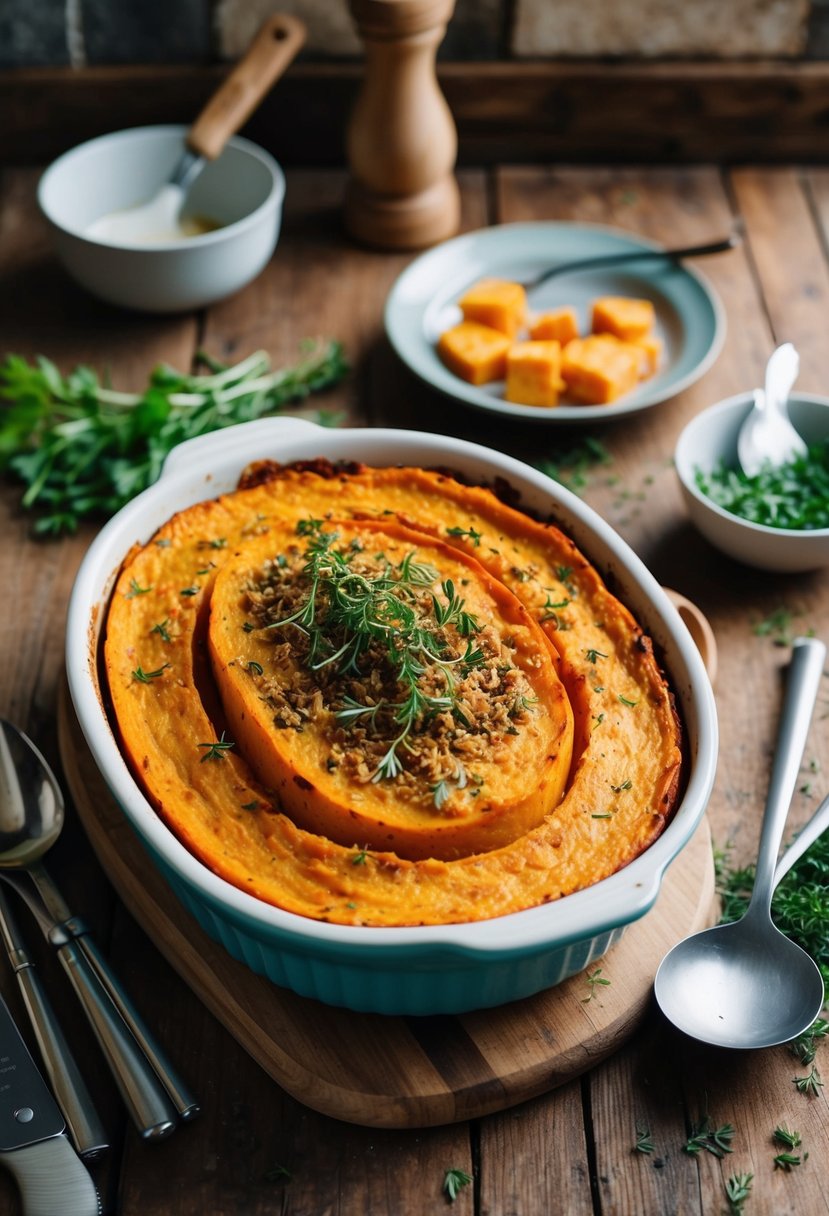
267	57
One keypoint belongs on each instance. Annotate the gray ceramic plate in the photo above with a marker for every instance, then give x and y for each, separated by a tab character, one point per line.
423	302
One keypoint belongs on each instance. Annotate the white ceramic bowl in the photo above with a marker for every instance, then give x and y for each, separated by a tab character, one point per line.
242	190
711	438
415	970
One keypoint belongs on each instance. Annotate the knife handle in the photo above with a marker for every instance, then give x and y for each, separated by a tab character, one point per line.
68	1085
51	1179
149	1107
187	1107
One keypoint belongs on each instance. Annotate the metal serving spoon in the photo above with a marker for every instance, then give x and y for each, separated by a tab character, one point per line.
31	818
745	984
767	436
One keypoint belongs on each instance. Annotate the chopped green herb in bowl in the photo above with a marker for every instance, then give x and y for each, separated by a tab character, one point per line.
777	520
794	496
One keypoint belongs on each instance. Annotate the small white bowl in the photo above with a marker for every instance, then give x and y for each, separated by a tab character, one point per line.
711	439
242	190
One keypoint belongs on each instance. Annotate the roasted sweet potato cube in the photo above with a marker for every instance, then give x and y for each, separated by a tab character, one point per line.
474	352
600	368
496	302
534	373
651	349
623	316
561	325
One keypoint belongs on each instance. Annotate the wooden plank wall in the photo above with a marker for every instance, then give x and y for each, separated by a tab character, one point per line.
506	113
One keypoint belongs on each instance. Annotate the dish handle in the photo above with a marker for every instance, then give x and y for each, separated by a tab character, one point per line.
199	454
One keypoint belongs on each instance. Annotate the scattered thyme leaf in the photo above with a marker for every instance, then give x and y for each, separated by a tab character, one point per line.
783	1136
470	534
737	1191
136	590
216	751
146	677
454	1181
716	1141
594	979
810	1085
643	1144
594	655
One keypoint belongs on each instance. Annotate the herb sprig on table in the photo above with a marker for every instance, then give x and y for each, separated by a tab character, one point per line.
82	448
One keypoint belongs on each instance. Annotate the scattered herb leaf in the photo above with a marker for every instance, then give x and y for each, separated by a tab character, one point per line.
737	1191
216	751
643	1144
454	1181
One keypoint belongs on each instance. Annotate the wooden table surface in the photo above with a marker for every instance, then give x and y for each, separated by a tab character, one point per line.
255	1150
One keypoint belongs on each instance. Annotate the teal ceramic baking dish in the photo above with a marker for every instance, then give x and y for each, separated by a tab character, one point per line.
421	970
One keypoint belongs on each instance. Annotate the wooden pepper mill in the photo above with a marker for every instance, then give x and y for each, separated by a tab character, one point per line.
401	140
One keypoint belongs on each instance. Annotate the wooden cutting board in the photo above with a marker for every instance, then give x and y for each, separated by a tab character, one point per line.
384	1071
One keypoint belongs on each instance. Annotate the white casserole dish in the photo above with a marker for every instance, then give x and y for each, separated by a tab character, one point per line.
424	969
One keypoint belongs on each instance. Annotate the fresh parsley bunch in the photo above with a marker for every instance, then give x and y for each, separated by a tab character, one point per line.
82	448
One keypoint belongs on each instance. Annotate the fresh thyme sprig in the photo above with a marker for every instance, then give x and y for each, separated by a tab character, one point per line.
82	448
715	1140
347	612
737	1191
453	1183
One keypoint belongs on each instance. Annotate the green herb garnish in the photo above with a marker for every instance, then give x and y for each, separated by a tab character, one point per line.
81	448
716	1140
594	979
454	1181
216	751
345	612
571	468
811	1084
469	533
737	1191
794	496
146	677
643	1144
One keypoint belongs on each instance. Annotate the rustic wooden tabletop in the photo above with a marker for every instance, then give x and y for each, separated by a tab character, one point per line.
256	1150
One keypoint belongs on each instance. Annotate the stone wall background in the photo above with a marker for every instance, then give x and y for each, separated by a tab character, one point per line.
42	33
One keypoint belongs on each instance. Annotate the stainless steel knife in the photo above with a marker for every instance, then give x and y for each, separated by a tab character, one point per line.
33	1147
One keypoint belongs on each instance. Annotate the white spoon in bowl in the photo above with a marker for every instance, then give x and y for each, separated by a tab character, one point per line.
767	436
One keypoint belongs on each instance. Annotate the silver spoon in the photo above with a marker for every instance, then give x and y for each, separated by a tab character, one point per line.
31	818
745	984
767	436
